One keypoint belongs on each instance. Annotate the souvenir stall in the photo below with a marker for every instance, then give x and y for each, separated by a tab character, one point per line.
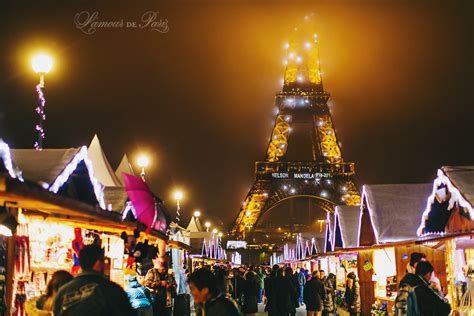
386	238
448	221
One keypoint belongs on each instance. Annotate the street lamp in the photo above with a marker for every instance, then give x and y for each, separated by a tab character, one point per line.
197	213
41	64
143	161
215	231
207	225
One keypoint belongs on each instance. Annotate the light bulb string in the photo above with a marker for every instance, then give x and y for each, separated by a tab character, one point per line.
42	117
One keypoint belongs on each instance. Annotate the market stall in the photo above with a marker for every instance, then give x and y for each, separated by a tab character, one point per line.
450	213
389	215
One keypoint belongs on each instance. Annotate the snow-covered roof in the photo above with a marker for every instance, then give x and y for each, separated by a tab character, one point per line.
459	181
395	209
52	168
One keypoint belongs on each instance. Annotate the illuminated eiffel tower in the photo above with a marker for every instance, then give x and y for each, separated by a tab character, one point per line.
326	178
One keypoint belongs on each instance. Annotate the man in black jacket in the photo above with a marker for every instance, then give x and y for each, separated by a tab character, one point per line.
270	292
429	302
204	288
91	293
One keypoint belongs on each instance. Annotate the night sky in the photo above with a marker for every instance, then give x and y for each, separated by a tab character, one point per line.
199	98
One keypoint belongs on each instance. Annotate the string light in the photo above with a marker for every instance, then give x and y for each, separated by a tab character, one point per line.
71	167
7	160
42	117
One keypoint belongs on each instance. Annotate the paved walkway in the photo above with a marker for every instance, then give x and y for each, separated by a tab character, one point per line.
299	312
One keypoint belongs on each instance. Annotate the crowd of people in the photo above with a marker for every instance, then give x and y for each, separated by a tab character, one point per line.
219	290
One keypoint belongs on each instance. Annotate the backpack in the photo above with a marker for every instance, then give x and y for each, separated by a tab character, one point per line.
406	303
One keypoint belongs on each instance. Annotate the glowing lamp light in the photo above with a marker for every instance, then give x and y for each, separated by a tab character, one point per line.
286	45
248	213
178	195
207	224
293	191
143	161
307	45
285	62
214	231
299	78
42	63
197	213
220	234
291	55
298	59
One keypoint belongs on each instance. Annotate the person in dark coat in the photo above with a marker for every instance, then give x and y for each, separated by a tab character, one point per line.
237	282
329	306
91	293
352	294
251	292
270	292
314	295
204	288
429	301
286	293
293	279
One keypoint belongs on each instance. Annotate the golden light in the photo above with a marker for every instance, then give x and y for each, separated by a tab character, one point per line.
42	63
215	231
220	234
143	161
197	213
207	224
178	195
248	213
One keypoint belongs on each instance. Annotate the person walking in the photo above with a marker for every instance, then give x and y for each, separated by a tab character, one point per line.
428	301
352	294
301	284
314	296
43	305
250	292
91	293
204	289
270	284
237	283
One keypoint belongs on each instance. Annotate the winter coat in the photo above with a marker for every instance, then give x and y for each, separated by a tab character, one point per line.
92	294
163	295
270	293
251	291
429	302
286	294
314	295
219	306
237	283
328	305
139	296
352	297
32	307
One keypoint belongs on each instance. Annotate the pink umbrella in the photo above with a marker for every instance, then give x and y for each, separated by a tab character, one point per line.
149	209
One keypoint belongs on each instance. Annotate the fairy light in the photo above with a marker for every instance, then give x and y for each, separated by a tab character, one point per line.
7	160
69	169
42	117
456	196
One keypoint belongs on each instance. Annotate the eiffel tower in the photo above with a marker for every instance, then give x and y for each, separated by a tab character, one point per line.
326	177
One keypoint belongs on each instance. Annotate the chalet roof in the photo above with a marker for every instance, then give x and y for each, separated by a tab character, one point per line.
6	163
102	169
51	168
459	181
330	231
348	219
195	225
395	209
124	167
115	198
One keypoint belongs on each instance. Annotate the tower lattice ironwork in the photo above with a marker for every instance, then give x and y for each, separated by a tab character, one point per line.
326	177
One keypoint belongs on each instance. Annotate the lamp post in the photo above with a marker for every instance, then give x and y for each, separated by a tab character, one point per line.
207	225
143	161
41	64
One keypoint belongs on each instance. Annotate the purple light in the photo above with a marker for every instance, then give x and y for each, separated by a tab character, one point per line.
42	117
